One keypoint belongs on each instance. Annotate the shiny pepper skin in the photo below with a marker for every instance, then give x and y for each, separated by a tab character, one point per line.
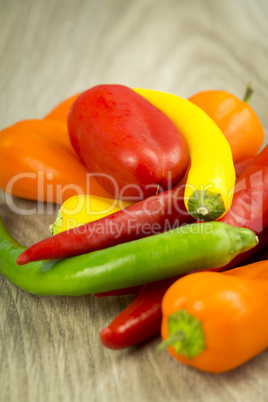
219	319
116	131
39	163
237	120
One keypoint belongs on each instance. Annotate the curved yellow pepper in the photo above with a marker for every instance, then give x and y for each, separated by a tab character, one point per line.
210	184
81	209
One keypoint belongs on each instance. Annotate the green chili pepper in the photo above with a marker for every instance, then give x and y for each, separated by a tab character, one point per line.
190	247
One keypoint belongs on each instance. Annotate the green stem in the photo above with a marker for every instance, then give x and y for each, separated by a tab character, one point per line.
185	334
55	227
248	93
206	205
176	337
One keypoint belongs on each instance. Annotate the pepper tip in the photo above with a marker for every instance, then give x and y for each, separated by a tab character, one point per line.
22	259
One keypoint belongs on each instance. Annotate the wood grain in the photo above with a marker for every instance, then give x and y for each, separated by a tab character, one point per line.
49	346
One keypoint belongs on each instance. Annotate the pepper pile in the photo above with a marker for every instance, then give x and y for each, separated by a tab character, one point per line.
144	140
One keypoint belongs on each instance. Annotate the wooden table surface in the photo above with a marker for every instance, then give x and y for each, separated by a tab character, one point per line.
49	346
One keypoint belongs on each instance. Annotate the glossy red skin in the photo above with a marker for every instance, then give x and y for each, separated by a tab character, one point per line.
156	214
250	203
140	320
116	131
241	166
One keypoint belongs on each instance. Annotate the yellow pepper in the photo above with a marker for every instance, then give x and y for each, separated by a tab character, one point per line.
210	184
81	209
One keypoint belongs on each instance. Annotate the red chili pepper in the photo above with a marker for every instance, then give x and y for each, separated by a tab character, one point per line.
156	214
142	318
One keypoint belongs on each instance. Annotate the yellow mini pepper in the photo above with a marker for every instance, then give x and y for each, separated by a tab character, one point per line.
211	179
81	209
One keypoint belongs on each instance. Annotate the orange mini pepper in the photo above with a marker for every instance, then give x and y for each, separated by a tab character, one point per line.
217	321
40	163
60	112
236	119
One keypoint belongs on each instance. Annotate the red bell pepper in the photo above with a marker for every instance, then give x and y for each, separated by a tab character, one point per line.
115	130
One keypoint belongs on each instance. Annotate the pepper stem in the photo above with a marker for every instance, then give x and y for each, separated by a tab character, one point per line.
248	93
176	337
206	205
54	228
185	335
